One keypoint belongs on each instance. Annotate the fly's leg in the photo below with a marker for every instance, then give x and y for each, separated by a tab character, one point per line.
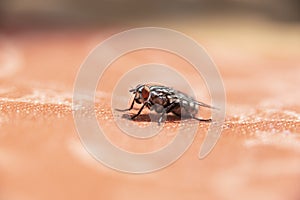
166	110
201	120
127	109
134	116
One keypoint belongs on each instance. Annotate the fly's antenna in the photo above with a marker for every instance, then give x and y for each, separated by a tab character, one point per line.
132	90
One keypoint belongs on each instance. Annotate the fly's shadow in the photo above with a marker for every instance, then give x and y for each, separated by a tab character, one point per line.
154	118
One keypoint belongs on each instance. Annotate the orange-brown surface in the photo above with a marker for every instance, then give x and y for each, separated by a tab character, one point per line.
257	156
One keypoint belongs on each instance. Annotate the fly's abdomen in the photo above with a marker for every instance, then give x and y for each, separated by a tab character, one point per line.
186	109
186	105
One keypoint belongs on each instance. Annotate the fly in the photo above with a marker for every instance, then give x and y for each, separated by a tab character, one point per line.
164	100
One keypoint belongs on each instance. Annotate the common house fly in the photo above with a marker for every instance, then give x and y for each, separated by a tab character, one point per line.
165	100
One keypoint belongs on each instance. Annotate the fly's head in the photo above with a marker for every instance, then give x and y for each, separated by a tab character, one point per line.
141	92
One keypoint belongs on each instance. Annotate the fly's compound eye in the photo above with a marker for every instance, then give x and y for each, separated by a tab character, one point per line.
145	92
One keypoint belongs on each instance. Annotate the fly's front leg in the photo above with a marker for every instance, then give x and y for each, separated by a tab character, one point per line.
123	110
141	109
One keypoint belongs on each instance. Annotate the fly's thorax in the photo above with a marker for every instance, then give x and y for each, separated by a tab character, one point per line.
159	100
158	103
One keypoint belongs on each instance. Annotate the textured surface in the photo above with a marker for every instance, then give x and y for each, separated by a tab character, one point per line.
258	155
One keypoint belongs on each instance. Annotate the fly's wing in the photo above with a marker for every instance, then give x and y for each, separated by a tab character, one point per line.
205	105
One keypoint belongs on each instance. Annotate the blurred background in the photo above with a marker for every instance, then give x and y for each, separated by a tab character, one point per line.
105	12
